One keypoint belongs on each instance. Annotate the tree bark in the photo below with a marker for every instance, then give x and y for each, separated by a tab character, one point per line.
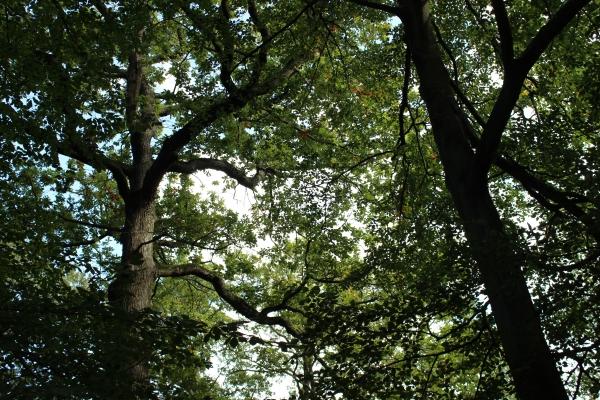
131	291
130	294
527	353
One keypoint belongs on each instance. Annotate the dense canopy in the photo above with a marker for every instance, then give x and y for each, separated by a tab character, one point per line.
300	199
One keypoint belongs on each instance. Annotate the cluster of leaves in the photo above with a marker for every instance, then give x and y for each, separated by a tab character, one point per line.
351	238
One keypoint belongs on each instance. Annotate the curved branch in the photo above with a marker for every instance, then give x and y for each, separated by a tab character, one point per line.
240	305
202	164
95	159
72	148
283	304
172	146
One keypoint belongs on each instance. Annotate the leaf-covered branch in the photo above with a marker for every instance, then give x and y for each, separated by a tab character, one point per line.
543	192
73	148
511	87
265	36
172	145
548	32
240	305
201	164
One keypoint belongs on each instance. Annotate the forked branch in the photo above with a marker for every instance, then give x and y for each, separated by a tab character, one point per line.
202	164
167	156
239	304
511	87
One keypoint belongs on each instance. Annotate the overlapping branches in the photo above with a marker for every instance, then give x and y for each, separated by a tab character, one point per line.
238	96
516	74
543	192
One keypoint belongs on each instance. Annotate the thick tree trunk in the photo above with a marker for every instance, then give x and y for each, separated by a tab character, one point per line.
305	391
527	353
131	294
131	291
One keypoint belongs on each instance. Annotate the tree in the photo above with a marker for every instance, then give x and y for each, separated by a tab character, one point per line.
467	159
363	286
85	87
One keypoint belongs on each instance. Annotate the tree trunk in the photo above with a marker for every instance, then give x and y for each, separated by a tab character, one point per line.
305	391
132	289
527	353
131	293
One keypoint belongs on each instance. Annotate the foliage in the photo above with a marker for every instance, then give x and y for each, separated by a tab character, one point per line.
350	275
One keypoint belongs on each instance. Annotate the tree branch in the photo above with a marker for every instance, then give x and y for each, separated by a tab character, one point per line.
548	32
134	84
511	87
286	297
482	23
220	106
107	228
447	50
171	147
548	196
201	164
377	6
223	48
265	36
228	49
240	305
72	146
86	242
544	193
278	33
506	40
94	158
360	163
404	100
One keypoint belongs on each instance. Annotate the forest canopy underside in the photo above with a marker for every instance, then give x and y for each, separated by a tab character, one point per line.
302	199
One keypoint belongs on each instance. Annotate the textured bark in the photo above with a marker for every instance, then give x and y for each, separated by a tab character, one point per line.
527	353
131	290
131	293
